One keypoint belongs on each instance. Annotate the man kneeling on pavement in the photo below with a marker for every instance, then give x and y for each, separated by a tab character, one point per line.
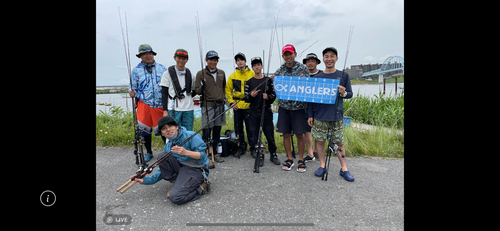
186	168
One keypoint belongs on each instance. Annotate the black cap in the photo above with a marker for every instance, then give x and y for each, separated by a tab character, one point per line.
181	52
166	120
255	60
311	56
241	55
330	49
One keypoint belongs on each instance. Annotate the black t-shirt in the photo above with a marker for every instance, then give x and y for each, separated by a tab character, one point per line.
256	102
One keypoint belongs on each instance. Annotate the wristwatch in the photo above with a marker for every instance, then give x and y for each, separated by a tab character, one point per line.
344	95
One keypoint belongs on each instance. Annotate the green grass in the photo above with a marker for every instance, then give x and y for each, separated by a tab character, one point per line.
385	111
115	129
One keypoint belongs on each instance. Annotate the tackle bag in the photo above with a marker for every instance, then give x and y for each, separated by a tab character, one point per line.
229	143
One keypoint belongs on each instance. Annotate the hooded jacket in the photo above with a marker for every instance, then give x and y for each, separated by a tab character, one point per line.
196	144
235	87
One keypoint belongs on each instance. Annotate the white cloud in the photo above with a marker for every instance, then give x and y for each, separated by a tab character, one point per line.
166	26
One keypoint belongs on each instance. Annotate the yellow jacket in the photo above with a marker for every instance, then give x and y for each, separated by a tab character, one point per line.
235	86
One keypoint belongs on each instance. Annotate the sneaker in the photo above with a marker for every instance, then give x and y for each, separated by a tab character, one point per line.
274	159
239	152
347	175
254	153
308	158
319	172
217	158
148	157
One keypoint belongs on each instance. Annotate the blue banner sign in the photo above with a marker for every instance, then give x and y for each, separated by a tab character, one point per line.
306	89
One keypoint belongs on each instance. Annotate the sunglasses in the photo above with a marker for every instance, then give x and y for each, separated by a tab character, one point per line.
146	49
256	58
182	53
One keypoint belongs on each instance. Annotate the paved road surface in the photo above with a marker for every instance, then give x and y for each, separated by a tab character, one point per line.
374	201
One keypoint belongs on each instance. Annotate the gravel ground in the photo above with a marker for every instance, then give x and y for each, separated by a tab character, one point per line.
255	201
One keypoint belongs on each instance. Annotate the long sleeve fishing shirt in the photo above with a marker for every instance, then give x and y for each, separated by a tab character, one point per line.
147	85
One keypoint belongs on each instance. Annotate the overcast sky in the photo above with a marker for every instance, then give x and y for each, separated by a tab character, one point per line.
167	25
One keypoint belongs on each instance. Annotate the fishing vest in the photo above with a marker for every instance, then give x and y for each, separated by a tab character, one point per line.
177	86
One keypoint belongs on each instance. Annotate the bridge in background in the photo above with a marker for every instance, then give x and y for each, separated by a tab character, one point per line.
391	64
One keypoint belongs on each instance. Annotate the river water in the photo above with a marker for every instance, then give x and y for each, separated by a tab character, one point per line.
126	104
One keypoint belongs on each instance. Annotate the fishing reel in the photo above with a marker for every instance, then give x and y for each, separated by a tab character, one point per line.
335	149
143	168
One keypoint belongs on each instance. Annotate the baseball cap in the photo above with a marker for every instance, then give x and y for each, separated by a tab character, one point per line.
241	55
330	49
166	120
212	54
288	47
181	52
255	60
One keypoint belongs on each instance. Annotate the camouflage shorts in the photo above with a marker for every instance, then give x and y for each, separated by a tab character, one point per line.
320	130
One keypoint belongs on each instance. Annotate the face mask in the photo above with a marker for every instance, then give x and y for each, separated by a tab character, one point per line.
174	136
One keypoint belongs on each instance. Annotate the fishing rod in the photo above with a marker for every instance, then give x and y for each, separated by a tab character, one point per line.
333	148
138	140
258	146
209	141
300	54
235	114
145	171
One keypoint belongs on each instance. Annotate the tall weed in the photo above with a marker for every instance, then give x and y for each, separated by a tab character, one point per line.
385	111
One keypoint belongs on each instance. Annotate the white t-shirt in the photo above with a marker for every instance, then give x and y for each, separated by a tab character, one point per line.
185	104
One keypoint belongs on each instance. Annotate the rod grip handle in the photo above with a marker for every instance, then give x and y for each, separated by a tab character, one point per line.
118	189
124	190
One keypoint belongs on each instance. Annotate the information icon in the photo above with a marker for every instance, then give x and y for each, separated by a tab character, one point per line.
48	198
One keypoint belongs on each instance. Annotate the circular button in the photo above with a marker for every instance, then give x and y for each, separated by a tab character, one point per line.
48	198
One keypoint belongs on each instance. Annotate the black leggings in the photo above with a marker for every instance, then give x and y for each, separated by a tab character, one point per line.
215	136
147	143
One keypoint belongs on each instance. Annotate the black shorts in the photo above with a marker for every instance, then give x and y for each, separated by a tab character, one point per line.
291	120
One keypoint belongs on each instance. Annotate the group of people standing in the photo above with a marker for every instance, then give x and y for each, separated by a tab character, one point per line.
165	107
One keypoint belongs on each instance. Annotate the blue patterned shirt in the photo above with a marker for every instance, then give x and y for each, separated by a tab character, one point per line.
147	85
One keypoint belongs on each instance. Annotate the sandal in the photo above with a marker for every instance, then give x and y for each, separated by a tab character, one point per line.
302	164
287	165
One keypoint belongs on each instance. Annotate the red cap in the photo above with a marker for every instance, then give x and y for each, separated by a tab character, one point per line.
288	47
